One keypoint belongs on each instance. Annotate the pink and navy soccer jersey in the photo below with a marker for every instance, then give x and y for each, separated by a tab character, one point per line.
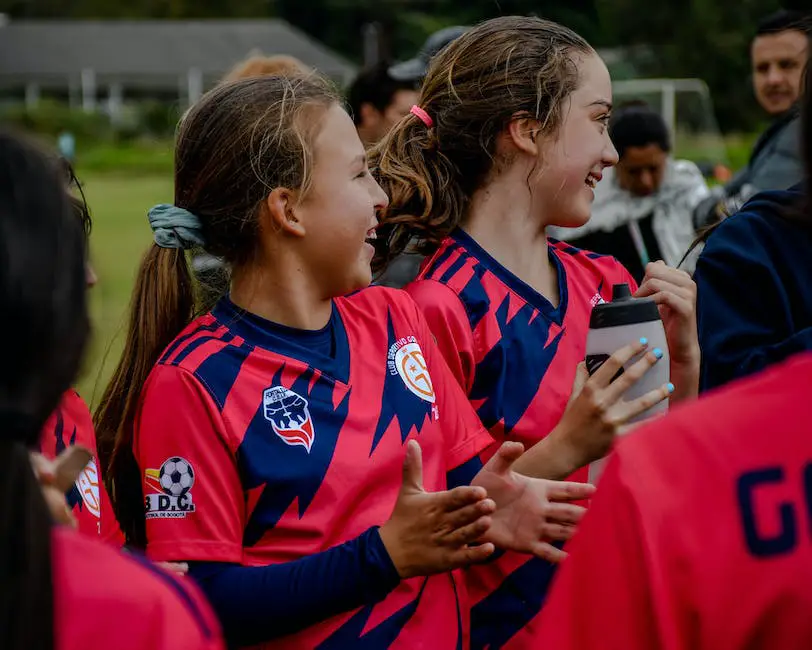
71	424
257	448
700	536
516	355
104	599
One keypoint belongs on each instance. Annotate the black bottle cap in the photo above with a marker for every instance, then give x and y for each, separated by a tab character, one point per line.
623	310
621	292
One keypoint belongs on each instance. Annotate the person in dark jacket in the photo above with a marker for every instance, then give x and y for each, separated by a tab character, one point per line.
778	53
754	279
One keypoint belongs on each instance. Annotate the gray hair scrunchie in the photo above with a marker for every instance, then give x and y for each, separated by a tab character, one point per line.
175	227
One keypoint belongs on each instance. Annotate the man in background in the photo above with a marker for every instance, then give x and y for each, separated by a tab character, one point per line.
778	55
377	101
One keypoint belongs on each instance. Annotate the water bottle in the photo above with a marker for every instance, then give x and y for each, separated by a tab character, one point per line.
620	322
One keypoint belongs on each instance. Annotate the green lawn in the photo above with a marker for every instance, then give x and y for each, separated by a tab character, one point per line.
121	234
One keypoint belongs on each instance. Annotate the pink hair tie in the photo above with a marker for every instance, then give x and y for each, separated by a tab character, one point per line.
424	117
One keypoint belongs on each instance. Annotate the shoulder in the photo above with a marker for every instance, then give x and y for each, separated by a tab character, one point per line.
377	301
70	424
432	294
196	339
579	262
686	172
127	601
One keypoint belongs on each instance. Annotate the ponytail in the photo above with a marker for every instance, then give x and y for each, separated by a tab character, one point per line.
26	599
427	198
162	306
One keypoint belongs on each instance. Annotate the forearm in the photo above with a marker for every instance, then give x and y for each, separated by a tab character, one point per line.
255	604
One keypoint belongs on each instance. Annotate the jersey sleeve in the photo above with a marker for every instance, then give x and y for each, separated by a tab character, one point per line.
603	596
194	501
71	424
464	434
449	325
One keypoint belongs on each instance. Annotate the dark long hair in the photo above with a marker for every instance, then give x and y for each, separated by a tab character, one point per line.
45	321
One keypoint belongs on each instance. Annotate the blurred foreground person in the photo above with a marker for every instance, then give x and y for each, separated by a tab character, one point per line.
61	589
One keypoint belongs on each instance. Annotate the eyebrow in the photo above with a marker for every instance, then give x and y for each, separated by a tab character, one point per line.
602	102
360	159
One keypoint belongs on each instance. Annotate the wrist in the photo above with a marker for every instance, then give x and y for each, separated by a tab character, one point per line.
555	457
393	549
685	376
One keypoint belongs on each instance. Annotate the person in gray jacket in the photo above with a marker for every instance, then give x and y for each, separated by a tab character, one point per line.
778	54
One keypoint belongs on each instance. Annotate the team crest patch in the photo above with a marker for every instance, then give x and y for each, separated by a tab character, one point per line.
289	417
406	359
88	485
171	485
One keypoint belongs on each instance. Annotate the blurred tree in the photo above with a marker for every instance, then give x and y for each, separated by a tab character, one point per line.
693	38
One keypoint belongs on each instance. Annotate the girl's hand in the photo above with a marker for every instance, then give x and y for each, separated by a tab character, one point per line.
178	568
57	476
530	512
597	411
674	291
431	532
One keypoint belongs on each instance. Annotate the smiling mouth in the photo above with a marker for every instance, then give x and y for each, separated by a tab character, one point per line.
372	235
592	180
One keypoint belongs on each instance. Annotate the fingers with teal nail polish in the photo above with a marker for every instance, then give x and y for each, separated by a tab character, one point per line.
658	353
643	341
670	388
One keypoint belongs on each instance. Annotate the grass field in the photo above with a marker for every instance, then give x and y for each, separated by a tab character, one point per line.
121	234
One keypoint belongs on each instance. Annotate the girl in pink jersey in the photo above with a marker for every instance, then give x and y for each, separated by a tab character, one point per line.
61	590
272	442
509	137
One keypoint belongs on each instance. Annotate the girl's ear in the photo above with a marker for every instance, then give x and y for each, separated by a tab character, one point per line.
280	206
523	131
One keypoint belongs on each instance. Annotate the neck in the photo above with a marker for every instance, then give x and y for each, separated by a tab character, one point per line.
277	294
504	221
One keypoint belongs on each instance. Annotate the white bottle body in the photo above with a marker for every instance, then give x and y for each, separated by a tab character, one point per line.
605	341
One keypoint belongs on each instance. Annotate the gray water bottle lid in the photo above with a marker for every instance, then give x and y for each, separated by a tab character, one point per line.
623	310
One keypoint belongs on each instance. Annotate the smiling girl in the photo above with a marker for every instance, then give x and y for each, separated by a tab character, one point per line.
510	136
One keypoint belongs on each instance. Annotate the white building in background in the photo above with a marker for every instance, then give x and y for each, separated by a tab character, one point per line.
102	64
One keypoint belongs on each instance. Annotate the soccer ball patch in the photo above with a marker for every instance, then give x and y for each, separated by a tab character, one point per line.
289	417
171	485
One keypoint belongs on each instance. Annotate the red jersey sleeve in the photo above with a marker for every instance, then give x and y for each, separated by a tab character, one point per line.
449	324
463	432
604	595
194	501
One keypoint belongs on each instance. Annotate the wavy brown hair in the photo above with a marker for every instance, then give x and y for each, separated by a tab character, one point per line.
238	143
503	69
